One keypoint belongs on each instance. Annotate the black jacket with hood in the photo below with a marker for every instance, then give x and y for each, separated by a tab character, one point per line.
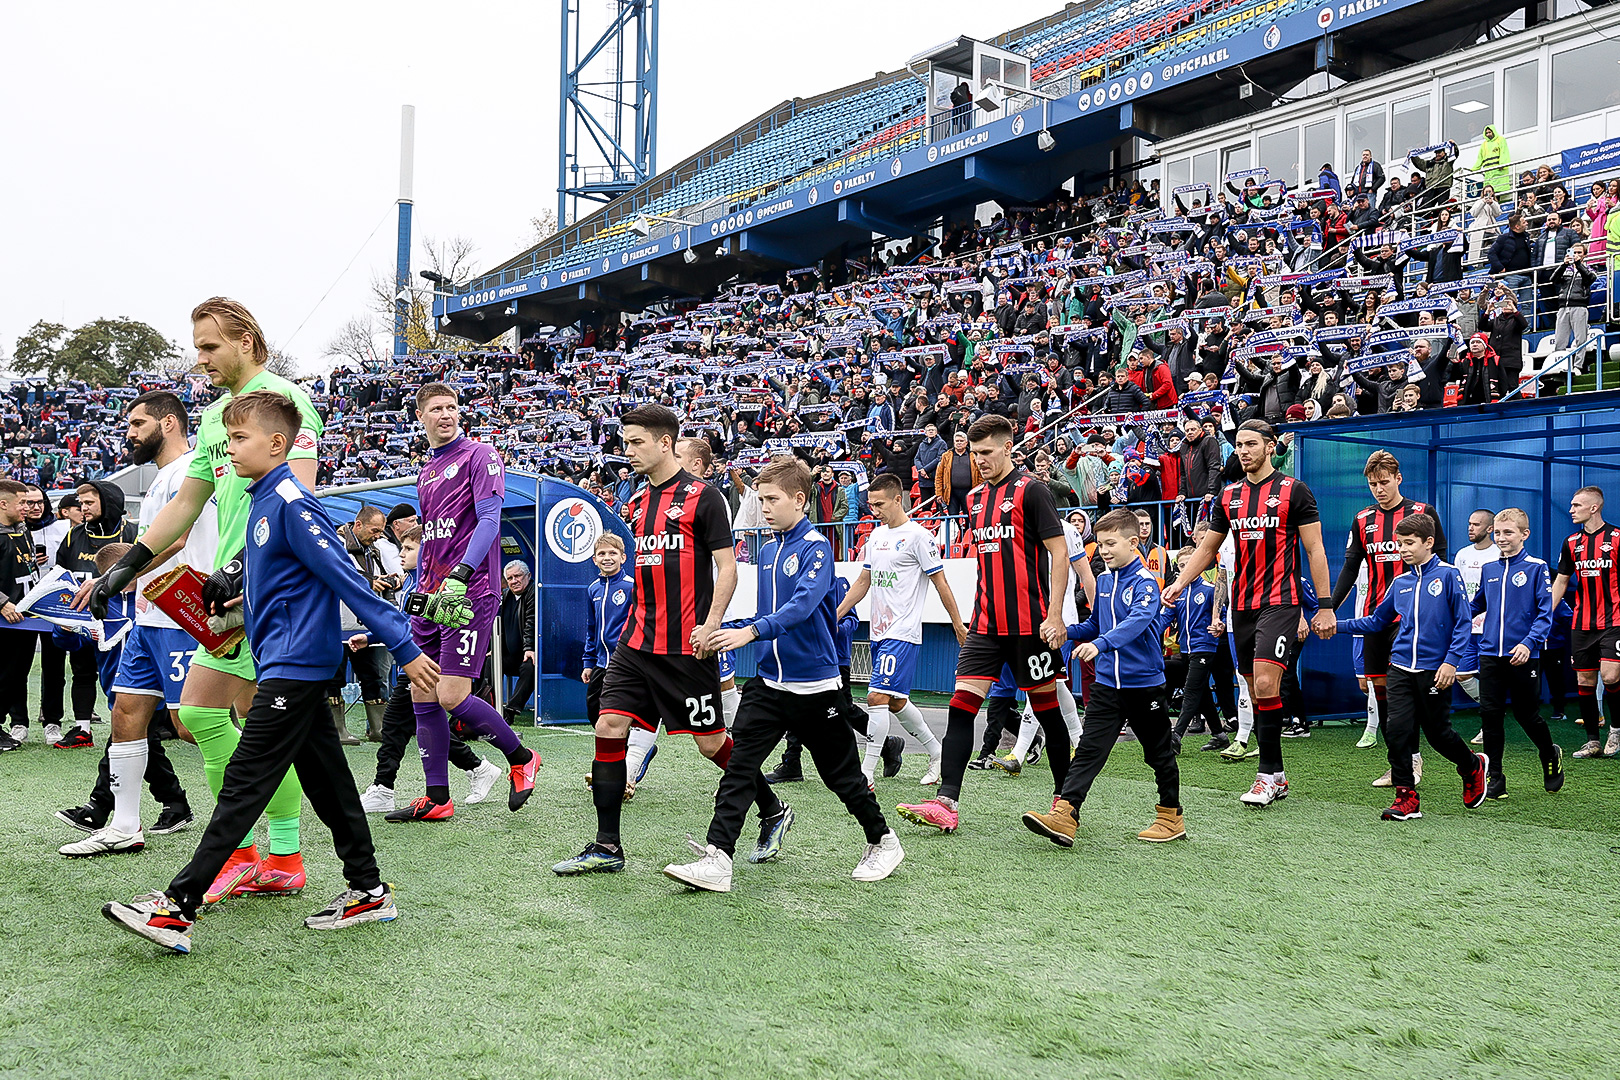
77	551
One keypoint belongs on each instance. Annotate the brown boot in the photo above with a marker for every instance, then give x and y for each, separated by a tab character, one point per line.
339	710
1057	824
1167	826
375	710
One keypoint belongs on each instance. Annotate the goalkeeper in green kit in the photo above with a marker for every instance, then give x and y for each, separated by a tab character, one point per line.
231	349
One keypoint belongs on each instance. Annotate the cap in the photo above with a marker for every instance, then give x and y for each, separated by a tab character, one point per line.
401	510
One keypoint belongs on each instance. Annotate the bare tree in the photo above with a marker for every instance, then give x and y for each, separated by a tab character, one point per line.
542	227
353	342
451	260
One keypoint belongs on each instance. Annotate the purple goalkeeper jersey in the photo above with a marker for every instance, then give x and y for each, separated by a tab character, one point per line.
460	474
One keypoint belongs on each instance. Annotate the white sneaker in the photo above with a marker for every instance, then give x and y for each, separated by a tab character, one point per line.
1264	793
711	872
1612	747
108	841
481	780
19	732
1478	740
53	733
880	859
1590	749
931	777
1388	779
377	799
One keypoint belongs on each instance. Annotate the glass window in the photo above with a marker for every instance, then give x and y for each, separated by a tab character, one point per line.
989	69
1365	132
1583	79
1467	107
1236	159
1320	149
1012	71
1410	128
1279	154
1178	173
1206	169
1521	105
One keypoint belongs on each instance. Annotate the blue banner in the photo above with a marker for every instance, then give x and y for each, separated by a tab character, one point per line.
1593	157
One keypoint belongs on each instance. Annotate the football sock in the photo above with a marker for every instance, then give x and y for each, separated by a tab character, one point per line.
216	739
722	756
126	765
1470	686
433	740
481	716
729	700
911	718
1268	729
1245	724
640	744
877	730
1071	710
607	787
1586	697
1381	705
958	744
1027	727
438	793
281	815
1372	709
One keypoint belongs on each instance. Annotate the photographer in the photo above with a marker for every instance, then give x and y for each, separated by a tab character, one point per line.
1572	288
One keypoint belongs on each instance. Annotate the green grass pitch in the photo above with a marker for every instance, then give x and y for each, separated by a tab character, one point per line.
1309	939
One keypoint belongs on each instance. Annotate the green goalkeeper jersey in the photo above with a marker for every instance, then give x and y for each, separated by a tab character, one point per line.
213	465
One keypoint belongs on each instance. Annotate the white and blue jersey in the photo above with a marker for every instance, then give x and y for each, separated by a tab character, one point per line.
728	665
155	662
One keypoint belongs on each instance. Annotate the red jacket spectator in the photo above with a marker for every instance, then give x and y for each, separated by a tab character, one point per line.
1156	383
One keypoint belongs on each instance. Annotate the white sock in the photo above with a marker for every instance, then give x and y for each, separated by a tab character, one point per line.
1245	714
877	730
1470	686
1027	727
911	718
641	741
729	699
1372	709
1071	711
126	762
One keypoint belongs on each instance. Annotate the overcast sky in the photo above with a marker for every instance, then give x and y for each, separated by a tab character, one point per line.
153	155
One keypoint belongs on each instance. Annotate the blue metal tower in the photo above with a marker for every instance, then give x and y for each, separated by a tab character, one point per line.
608	108
402	250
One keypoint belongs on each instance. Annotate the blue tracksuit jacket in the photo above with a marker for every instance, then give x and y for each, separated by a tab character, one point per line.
610	606
297	572
796	607
1127	626
1515	596
1194	609
1436	623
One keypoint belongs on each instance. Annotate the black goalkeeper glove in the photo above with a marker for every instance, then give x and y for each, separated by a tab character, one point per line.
117	579
223	585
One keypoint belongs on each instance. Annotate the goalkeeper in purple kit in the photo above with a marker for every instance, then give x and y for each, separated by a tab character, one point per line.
460	491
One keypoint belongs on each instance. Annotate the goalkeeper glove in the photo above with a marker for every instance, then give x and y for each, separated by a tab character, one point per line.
222	585
449	606
117	579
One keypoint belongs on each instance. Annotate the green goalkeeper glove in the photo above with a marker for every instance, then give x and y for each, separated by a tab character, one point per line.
449	606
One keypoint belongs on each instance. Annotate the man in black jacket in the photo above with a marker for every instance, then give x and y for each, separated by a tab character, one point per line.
1511	256
103	506
1436	371
1200	462
517	615
16	576
1125	396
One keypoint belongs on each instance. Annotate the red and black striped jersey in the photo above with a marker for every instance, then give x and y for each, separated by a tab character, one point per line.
677	525
1372	541
1264	520
1008	524
1588	560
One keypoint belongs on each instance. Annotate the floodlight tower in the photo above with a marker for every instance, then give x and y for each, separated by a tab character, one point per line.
608	106
402	253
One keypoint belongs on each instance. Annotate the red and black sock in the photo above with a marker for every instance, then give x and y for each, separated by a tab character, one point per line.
957	746
608	777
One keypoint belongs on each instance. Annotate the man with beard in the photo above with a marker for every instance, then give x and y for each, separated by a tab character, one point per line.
156	658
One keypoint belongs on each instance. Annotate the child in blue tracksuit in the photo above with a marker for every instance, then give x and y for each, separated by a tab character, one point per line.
1515	596
611	595
796	687
296	573
1434	635
1124	638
